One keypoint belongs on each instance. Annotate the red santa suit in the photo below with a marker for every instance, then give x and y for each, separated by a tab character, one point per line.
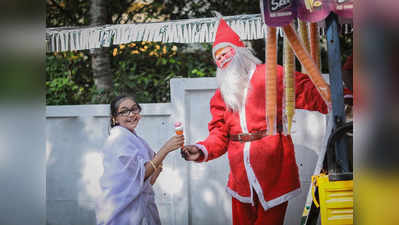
266	165
263	170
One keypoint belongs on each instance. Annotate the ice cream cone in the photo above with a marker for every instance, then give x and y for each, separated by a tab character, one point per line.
179	128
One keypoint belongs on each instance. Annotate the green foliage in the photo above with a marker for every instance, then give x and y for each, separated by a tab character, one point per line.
145	69
141	69
68	78
67	13
185	9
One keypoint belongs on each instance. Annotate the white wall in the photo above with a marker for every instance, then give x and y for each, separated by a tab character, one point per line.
186	193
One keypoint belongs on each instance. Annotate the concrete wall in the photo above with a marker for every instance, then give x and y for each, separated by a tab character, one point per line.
186	193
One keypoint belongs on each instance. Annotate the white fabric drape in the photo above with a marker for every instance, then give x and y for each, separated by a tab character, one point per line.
126	197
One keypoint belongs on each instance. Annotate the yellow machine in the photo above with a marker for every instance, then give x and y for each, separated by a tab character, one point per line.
332	190
335	200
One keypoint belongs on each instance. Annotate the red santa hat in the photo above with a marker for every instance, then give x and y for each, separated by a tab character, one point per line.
225	36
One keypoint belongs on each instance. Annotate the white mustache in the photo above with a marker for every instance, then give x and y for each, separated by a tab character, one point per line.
226	60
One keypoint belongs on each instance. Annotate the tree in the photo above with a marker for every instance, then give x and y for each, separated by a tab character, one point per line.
100	57
140	68
94	12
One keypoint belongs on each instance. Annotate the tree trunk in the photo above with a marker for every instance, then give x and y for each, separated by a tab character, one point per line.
100	58
101	67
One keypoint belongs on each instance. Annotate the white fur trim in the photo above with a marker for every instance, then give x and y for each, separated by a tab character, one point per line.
255	184
247	145
203	149
283	198
239	197
250	176
266	205
269	204
251	73
243	119
253	181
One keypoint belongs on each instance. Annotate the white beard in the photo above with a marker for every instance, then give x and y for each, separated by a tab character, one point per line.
233	79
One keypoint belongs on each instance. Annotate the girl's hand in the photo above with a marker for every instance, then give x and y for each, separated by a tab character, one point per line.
174	143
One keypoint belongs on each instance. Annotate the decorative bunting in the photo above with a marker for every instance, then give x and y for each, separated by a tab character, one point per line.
248	27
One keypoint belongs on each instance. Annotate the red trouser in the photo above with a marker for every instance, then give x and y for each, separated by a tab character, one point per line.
246	214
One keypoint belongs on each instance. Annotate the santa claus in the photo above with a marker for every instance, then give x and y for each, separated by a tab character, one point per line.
263	171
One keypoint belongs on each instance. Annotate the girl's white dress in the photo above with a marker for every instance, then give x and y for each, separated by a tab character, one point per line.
126	199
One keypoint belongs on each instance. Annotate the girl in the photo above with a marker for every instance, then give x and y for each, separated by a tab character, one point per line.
130	169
